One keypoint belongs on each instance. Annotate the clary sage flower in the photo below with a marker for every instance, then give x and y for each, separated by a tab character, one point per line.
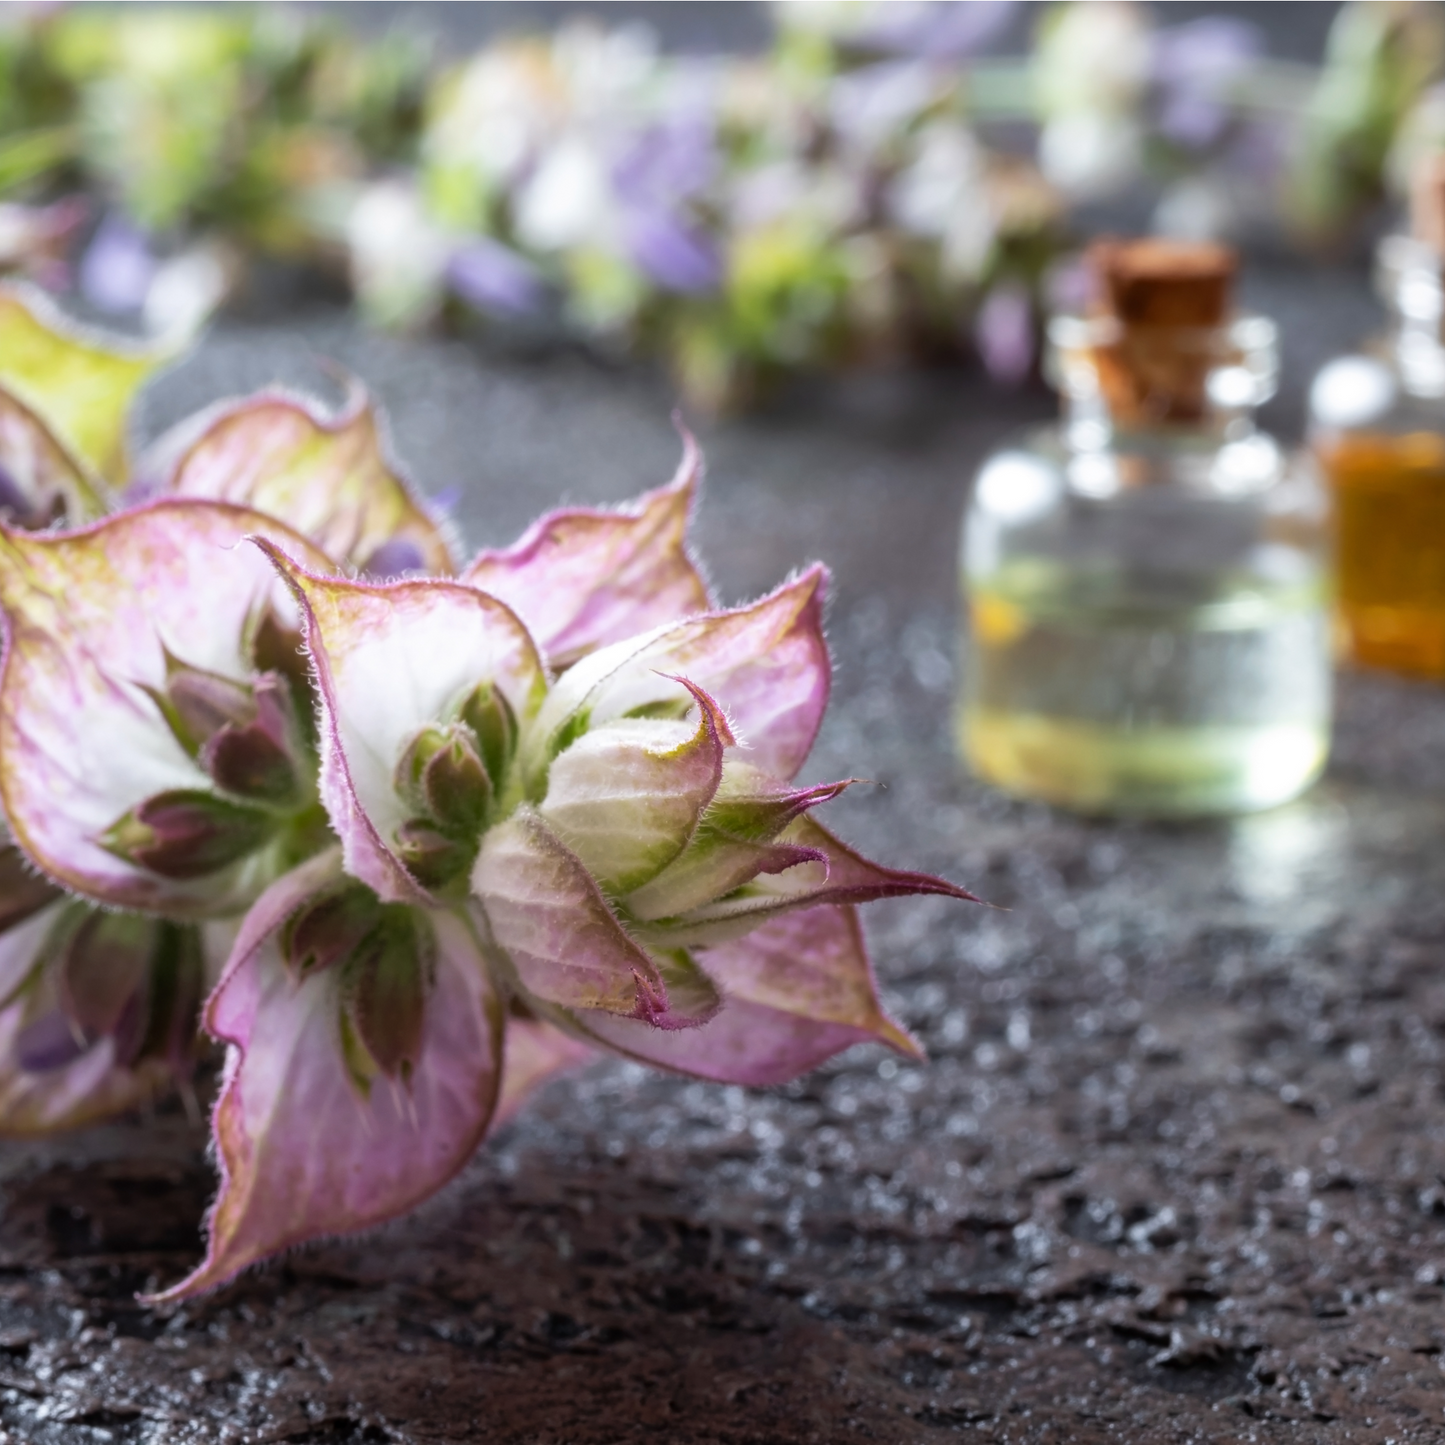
156	721
456	831
597	851
64	397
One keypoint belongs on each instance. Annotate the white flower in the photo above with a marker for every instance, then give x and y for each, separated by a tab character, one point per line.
1089	73
942	195
567	201
185	291
497	113
1090	154
398	258
1092	56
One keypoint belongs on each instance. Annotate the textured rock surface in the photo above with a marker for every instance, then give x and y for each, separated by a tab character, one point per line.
1176	1171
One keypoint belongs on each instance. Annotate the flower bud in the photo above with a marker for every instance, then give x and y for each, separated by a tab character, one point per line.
277	649
329	930
489	715
442	776
745	810
102	976
196	704
247	762
256	760
430	856
176	988
412	767
456	785
187	833
385	988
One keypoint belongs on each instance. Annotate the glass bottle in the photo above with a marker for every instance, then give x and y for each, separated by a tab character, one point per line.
1146	582
1377	425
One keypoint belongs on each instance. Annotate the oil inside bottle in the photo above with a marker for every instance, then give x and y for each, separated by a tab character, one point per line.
1129	694
1389	496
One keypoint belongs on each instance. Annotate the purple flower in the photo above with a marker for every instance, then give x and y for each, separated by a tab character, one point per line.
492	277
1004	333
668	163
393	558
877	102
948	30
1069	285
1194	67
118	266
660	171
677	256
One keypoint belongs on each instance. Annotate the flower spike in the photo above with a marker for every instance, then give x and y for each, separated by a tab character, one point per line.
610	858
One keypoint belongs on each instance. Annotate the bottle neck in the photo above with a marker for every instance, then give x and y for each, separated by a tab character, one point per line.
1410	279
1158	389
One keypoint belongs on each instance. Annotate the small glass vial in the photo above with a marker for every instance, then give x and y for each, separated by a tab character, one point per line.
1377	425
1146	582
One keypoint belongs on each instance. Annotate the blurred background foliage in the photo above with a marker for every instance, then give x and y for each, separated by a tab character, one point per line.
824	185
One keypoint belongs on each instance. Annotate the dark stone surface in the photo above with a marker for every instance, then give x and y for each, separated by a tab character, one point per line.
1176	1170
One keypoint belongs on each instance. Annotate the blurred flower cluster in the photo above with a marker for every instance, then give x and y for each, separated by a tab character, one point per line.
881	183
404	836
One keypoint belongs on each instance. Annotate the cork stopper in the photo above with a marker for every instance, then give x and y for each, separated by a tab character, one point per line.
1167	298
1427	203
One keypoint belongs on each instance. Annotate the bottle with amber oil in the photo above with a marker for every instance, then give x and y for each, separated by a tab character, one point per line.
1377	425
1145	582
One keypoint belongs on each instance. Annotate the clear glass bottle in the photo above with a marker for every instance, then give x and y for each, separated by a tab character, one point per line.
1377	425
1147	586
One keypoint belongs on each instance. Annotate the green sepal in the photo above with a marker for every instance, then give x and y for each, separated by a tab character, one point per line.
494	725
330	929
385	985
432	857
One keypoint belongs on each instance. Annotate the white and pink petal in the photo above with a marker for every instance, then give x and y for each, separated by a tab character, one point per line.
92	615
582	577
390	660
766	664
626	797
557	931
796	991
303	1151
329	476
